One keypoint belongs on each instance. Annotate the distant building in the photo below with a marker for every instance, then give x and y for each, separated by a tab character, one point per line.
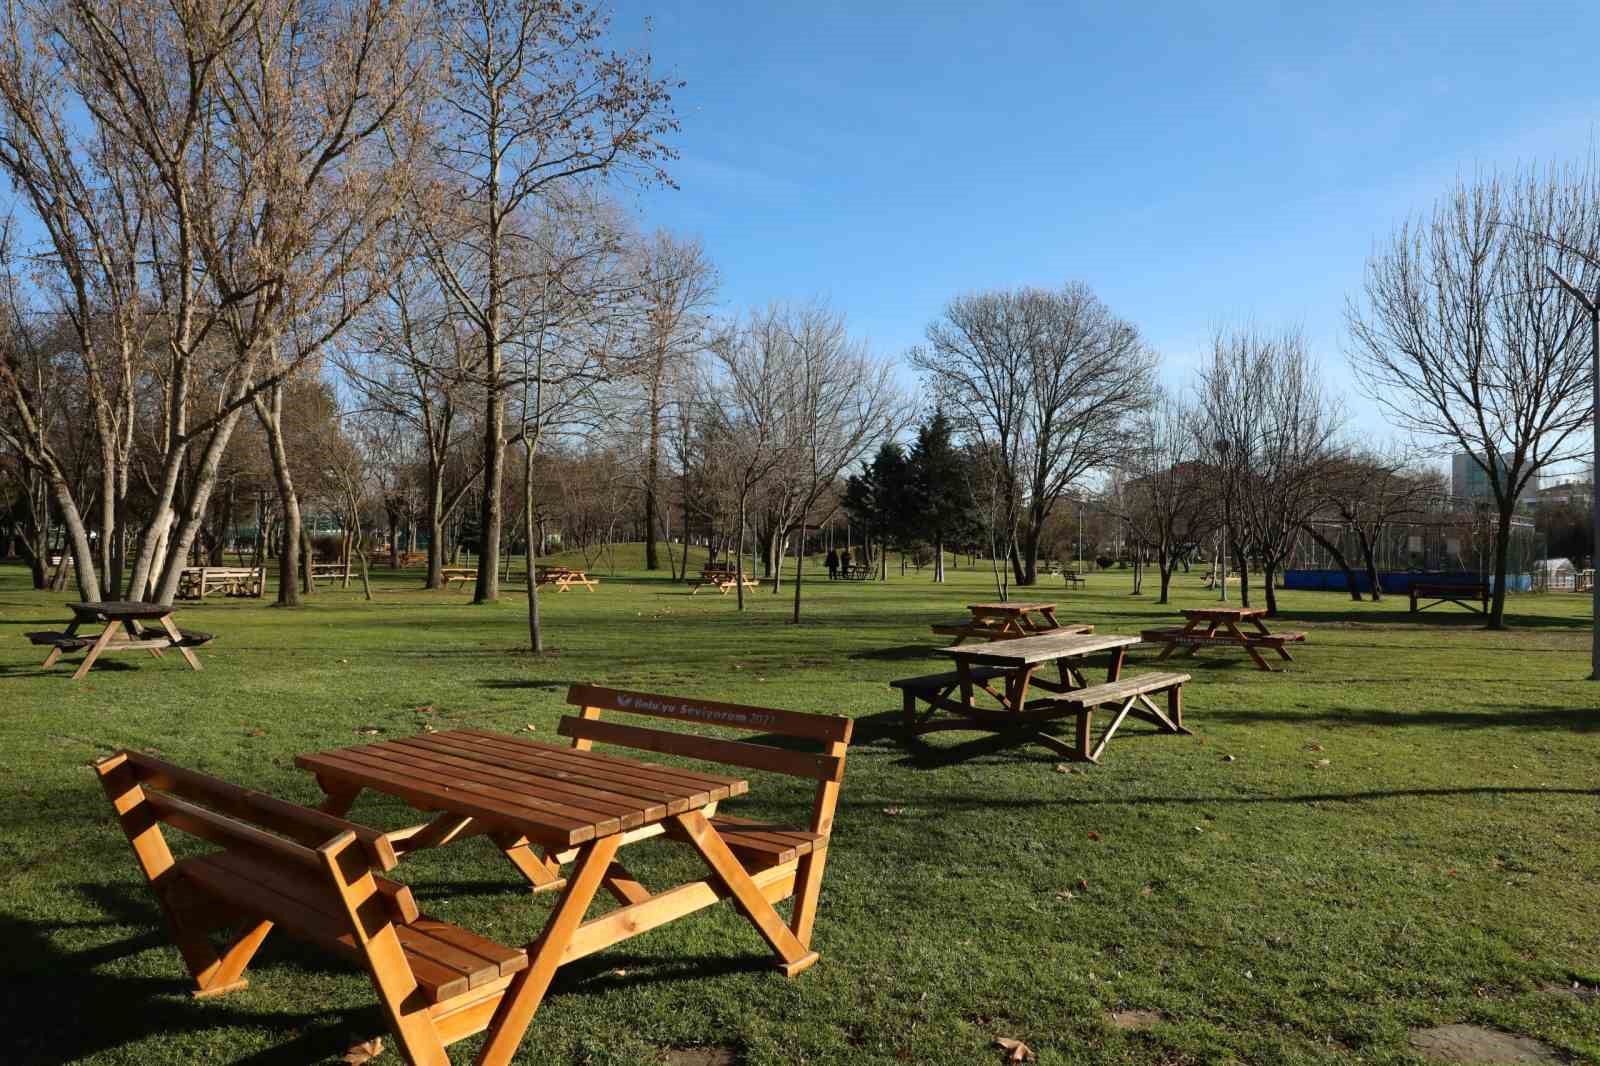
1470	481
1573	493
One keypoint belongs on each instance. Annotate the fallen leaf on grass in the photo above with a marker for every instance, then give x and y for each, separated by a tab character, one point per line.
1016	1050
532	728
364	1052
1228	758
1093	835
1066	894
1321	763
892	811
426	708
342	660
1313	747
1083	885
368	730
255	731
1063	768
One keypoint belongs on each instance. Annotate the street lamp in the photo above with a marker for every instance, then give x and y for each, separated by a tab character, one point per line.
1223	447
1591	307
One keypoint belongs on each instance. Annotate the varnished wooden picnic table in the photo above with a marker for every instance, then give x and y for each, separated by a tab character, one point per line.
1008	621
129	626
1220	626
563	577
544	806
1015	664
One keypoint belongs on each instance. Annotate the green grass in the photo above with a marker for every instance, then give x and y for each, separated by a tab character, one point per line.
1443	866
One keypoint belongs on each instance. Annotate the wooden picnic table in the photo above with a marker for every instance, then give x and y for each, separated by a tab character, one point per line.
544	806
563	577
1015	664
1219	626
129	626
1005	621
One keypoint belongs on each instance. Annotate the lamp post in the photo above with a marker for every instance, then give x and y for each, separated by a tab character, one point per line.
1591	307
1227	516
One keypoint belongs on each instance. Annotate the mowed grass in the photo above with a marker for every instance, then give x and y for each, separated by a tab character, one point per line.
1406	833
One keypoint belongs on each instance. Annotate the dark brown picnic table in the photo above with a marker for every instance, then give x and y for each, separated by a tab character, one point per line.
130	625
1015	664
1008	621
544	806
1220	626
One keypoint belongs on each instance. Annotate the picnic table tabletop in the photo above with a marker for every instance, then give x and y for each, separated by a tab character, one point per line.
120	609
981	609
1207	614
553	794
1046	647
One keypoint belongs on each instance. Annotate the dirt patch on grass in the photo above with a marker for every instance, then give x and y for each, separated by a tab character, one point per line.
1473	1043
701	1056
1135	1019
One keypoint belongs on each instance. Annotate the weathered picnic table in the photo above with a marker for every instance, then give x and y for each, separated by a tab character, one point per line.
1015	664
1219	627
723	578
1006	621
563	577
579	807
129	626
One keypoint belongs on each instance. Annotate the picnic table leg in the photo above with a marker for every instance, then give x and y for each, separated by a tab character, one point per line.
1114	667
106	636
746	896
964	673
336	799
1251	648
1049	614
1017	688
177	638
528	987
542	874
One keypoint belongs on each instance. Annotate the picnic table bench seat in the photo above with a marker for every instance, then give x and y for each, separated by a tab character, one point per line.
318	877
57	639
1130	695
938	685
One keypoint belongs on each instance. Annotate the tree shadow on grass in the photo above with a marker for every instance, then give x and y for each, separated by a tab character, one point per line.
897	654
63	1007
956	803
1549	718
529	684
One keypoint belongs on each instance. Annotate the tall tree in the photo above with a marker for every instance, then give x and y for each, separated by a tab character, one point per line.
533	102
1264	407
676	284
1046	380
1461	336
1167	498
940	490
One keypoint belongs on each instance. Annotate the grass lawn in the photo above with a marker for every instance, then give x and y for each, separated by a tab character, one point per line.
1406	834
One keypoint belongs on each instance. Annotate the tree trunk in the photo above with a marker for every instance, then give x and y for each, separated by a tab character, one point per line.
1343	564
1502	557
738	557
1166	565
938	559
1369	555
270	414
799	567
1270	588
488	588
535	627
652	465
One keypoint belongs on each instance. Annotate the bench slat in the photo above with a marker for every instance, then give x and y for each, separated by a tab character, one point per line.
736	752
824	727
1120	689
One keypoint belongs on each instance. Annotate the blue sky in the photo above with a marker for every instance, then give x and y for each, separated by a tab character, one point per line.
1196	164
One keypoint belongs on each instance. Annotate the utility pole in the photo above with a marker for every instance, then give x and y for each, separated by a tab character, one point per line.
1591	307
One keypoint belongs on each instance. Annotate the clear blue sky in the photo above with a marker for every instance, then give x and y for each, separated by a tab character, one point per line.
1196	164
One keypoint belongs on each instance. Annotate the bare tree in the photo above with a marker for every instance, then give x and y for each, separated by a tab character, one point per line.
1364	491
1047	380
1274	427
1167	497
676	284
533	103
1461	336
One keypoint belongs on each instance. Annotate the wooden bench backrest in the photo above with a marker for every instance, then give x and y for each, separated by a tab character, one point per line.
830	732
